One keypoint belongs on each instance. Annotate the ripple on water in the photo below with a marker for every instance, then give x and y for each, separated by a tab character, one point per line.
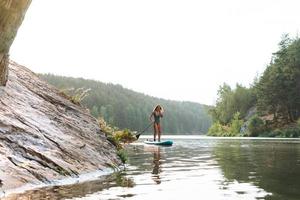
206	169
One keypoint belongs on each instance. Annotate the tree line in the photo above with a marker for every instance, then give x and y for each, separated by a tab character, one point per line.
271	105
125	108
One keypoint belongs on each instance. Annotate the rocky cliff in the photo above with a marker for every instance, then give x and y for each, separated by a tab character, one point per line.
44	136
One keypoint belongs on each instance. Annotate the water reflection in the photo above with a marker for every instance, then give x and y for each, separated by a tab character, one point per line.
272	166
212	168
156	166
122	180
79	190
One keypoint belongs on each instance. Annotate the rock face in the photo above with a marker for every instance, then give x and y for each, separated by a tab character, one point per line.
43	136
12	13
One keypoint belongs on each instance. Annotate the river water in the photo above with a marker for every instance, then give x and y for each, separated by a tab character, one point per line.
195	168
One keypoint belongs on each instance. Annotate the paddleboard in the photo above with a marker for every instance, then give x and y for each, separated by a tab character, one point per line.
161	143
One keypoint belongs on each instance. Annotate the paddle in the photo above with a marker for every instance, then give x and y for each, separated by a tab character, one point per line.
138	135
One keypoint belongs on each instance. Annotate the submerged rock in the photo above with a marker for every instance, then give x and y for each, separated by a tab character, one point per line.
44	136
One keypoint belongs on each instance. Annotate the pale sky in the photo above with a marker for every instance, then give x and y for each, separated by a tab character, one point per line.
173	49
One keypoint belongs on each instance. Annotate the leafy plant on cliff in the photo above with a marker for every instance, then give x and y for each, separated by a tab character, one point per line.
75	95
122	155
117	137
125	136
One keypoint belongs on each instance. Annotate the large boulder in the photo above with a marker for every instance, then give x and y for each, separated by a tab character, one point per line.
44	136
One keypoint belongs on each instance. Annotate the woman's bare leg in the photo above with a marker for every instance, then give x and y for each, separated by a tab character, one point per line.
155	131
159	131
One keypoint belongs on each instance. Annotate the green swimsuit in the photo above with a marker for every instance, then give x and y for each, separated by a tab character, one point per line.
157	117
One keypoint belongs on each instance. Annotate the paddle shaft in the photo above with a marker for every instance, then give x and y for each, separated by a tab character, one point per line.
138	135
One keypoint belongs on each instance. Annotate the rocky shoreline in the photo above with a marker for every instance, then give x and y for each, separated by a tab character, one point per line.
27	190
44	136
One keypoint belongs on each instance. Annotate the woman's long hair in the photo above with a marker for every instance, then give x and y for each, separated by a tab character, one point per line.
158	107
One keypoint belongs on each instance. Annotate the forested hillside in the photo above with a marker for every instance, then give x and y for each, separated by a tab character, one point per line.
271	106
125	108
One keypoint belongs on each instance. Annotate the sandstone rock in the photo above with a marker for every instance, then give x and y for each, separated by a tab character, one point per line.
44	136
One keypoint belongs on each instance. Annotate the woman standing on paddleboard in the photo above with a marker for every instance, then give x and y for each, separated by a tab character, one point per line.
155	118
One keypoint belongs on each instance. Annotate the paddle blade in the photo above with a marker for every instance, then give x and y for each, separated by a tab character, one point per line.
137	136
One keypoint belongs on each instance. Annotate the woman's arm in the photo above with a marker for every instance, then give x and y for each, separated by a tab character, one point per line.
151	117
161	112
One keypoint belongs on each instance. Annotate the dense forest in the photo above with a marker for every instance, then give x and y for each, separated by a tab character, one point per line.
271	106
125	108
